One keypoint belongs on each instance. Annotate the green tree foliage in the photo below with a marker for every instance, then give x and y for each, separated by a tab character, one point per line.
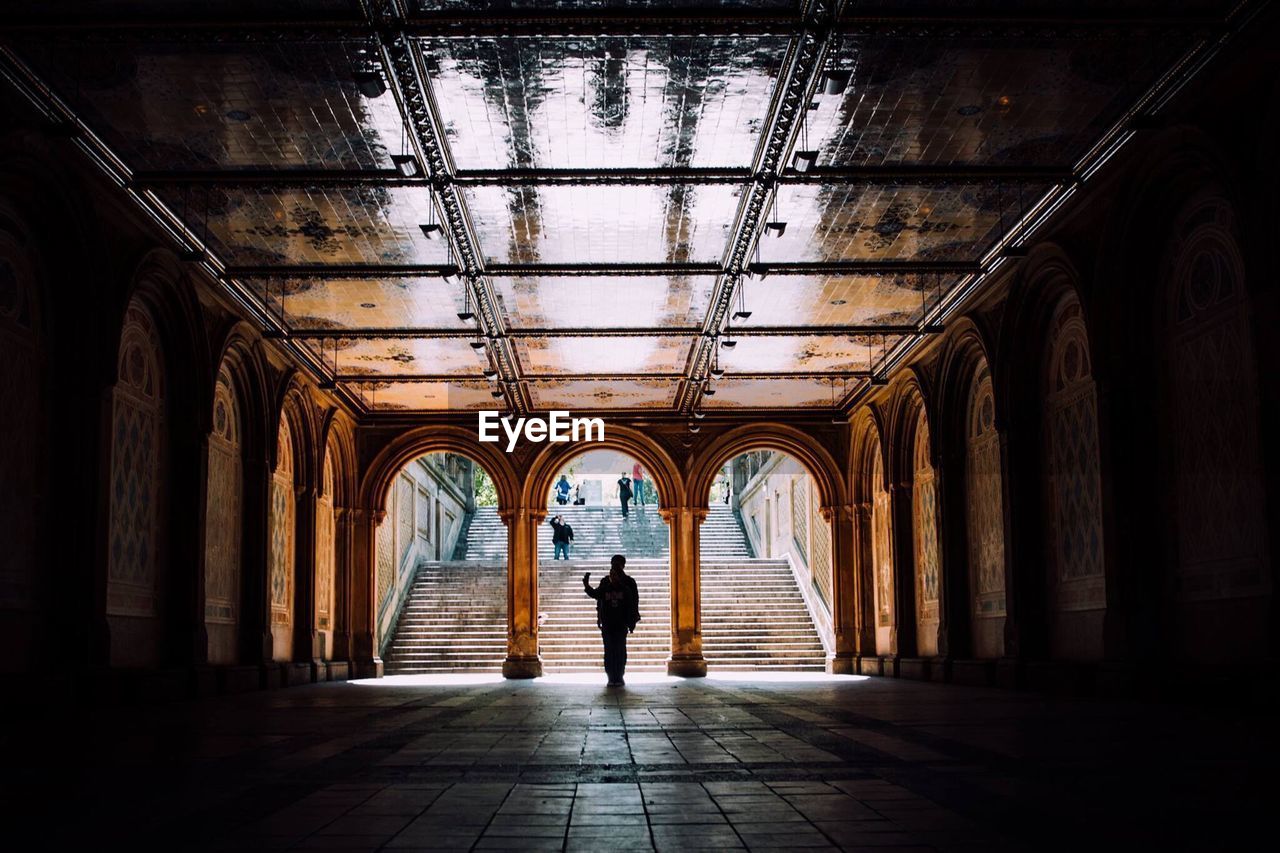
486	494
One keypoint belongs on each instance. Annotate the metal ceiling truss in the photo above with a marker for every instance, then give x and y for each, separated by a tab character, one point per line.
814	31
791	100
596	332
403	65
834	175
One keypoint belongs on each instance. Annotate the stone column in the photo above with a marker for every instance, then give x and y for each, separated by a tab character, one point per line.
867	617
306	639
343	532
844	589
686	591
365	661
902	642
256	563
522	592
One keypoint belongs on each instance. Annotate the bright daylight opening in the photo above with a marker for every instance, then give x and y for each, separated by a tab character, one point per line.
766	569
602	502
442	570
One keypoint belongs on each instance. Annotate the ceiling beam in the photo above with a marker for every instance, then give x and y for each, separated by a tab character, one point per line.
604	272
409	81
417	332
370	378
896	174
791	99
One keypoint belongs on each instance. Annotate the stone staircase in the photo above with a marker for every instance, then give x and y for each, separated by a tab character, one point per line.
753	615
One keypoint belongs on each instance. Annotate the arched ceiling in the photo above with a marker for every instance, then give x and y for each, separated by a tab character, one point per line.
595	178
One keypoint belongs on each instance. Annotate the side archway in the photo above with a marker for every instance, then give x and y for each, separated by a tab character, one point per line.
869	485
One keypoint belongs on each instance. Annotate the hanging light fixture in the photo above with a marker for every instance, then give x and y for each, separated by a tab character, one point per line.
477	344
407	165
490	374
370	83
466	313
835	81
742	313
775	227
431	229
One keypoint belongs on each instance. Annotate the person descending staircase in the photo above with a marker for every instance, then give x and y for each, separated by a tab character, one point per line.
753	613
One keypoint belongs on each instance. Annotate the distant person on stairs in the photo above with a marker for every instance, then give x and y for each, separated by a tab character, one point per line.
561	536
617	612
562	490
637	483
624	492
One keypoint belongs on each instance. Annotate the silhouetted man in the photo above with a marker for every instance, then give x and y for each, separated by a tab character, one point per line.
561	536
617	612
624	492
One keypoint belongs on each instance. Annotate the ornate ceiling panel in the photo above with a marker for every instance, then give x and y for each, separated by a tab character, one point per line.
603	224
587	394
603	355
892	222
1025	101
309	304
600	171
426	396
399	356
778	393
174	106
802	354
839	300
605	302
603	103
355	225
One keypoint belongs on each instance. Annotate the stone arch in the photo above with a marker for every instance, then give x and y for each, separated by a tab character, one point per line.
1212	457
224	520
973	445
137	493
334	500
380	473
670	484
912	457
806	450
292	450
869	484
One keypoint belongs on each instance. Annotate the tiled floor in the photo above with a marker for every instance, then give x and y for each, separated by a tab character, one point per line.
722	763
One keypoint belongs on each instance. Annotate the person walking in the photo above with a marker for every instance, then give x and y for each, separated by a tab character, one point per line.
562	490
624	492
637	483
561	536
617	612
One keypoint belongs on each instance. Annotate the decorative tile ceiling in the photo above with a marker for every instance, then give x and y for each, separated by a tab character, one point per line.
566	195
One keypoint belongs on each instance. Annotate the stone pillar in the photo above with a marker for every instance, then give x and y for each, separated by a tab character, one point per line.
343	533
686	591
522	591
256	563
844	589
365	662
867	617
306	639
902	642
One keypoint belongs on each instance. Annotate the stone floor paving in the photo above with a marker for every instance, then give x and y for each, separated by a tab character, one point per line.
811	763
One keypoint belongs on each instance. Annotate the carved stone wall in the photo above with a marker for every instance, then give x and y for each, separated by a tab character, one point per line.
985	518
924	515
136	494
881	552
1219	527
326	559
282	552
223	513
1076	583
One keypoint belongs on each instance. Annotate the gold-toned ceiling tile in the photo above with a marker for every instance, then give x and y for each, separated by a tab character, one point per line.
582	302
346	303
603	355
603	224
400	356
791	392
604	102
833	300
424	396
588	394
348	226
